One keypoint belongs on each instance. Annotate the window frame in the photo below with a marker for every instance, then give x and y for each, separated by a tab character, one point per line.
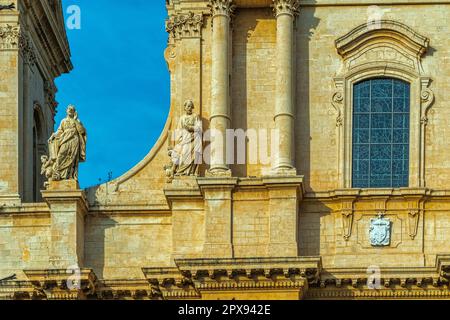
371	143
418	85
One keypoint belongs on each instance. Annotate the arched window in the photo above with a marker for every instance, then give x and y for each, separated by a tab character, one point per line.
381	128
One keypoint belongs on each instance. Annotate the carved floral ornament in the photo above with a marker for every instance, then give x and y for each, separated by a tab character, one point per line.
185	25
12	38
9	37
221	7
288	7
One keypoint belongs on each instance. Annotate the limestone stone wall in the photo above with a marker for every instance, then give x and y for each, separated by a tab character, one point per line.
27	94
140	220
24	240
252	91
117	247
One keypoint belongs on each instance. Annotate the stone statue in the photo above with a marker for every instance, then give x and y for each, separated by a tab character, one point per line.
67	148
47	169
186	155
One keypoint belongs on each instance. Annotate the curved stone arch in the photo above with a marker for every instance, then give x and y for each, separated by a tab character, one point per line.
40	130
39	119
387	30
382	41
409	46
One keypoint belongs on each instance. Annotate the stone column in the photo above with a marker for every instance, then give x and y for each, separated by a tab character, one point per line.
68	207
285	12
220	118
11	142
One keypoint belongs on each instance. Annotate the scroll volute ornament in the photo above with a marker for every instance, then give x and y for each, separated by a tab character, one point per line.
337	101
347	214
289	7
427	99
9	37
185	25
347	218
414	210
415	207
221	7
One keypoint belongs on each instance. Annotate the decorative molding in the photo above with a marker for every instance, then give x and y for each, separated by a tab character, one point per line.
413	223
286	7
185	25
347	214
375	31
52	284
347	223
27	50
427	99
221	8
9	37
384	49
337	101
383	41
50	95
192	276
415	208
396	282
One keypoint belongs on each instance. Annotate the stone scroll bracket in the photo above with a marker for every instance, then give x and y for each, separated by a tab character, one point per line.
427	99
346	212
415	211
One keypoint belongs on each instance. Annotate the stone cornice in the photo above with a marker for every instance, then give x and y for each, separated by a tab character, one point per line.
51	284
192	276
286	7
392	279
53	47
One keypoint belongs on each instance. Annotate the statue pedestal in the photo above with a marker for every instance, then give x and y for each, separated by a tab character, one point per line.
68	207
285	195
218	206
63	185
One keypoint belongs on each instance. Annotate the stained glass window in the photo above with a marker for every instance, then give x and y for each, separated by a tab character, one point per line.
381	134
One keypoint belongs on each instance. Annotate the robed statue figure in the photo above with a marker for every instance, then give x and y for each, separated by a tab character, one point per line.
67	147
186	154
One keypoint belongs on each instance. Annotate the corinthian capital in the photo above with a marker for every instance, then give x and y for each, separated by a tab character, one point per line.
221	7
289	7
185	25
9	37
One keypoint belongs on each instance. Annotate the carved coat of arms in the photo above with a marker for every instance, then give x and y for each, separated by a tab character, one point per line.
380	231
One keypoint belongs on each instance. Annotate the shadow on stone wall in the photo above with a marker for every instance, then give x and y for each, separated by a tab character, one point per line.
305	27
95	240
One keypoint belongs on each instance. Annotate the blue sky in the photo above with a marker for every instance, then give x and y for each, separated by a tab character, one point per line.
120	82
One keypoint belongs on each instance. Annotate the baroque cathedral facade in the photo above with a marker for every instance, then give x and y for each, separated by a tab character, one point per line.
355	204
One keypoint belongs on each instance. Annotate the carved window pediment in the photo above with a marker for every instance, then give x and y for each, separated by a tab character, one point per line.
382	42
382	49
